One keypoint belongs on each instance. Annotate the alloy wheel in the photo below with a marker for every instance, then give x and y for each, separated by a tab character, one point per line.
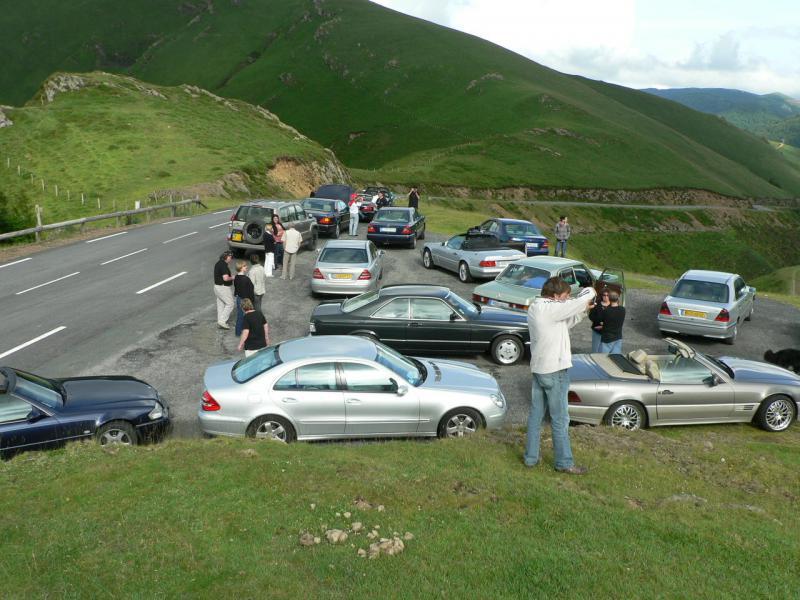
115	437
779	415
460	425
627	417
271	430
507	352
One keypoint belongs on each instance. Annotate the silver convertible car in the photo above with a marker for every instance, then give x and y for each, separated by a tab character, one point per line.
346	387
471	255
681	387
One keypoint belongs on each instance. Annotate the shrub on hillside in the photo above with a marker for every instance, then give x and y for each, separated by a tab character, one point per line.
15	213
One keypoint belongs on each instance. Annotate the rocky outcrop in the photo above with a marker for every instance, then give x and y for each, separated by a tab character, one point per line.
4	120
299	177
58	84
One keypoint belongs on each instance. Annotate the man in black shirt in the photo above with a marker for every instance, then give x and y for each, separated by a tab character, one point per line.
413	198
613	318
255	332
223	280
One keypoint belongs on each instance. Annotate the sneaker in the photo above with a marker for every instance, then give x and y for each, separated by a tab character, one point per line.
223	326
574	470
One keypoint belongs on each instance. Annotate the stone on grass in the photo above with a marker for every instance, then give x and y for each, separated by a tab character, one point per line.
346	515
356	526
408	536
306	539
386	547
336	536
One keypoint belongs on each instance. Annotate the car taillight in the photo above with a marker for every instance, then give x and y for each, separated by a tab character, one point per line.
723	316
209	404
664	309
407	231
573	397
372	229
478	298
368	207
325	220
365	274
518	306
488	263
318	274
233	216
545	244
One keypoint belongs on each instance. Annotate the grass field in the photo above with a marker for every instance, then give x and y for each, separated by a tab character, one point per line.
702	512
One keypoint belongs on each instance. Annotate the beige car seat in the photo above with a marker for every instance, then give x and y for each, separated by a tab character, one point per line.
639	359
652	370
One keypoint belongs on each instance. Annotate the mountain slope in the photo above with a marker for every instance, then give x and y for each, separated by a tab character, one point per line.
400	98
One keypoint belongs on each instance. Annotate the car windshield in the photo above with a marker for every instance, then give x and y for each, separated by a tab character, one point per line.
255	364
409	369
521	229
392	215
720	364
461	305
248	213
357	302
704	291
524	276
42	390
321	205
343	255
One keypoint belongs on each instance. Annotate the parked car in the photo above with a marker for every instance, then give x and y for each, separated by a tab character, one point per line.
372	191
519	235
708	303
472	255
347	194
680	387
395	225
522	281
426	319
346	267
37	413
332	216
346	387
246	229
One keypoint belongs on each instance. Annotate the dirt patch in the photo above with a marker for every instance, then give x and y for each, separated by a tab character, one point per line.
297	177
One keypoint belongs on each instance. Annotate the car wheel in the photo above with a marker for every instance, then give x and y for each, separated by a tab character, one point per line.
463	272
312	241
254	231
427	259
731	340
413	243
336	232
776	413
422	235
626	415
117	433
507	350
271	427
461	422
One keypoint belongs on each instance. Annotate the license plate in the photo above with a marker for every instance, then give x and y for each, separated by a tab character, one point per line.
342	276
498	303
531	245
695	313
236	237
389	229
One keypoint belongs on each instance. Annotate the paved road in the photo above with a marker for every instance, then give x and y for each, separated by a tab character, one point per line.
167	335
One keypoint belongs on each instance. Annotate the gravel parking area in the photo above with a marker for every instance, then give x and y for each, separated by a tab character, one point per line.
175	359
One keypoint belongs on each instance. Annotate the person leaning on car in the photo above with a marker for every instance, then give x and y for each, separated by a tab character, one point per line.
550	317
223	280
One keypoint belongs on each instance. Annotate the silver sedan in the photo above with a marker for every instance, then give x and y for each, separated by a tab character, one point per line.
346	387
345	267
470	255
681	387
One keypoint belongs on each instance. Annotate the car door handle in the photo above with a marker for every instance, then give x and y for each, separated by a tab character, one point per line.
666	392
289	400
415	324
352	401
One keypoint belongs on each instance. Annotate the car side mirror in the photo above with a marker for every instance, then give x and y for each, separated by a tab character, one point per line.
35	415
441	244
713	381
401	390
453	316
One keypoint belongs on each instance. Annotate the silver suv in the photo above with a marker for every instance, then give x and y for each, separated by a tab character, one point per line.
246	229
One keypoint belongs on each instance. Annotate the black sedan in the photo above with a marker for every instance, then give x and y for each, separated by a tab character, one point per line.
519	235
393	225
40	413
332	216
426	319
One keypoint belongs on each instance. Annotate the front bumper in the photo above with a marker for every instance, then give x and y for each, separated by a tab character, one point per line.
711	329
154	431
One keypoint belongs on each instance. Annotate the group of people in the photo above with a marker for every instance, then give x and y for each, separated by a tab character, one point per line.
281	246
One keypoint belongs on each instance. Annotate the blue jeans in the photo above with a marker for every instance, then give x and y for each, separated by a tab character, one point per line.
561	248
614	347
239	316
549	394
278	255
353	225
596	341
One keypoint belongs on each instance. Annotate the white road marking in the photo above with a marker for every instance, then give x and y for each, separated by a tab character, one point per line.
219	225
155	285
105	237
180	237
36	287
16	262
33	341
121	257
176	221
219	212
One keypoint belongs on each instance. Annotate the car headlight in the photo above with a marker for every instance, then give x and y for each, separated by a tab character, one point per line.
312	327
498	400
157	412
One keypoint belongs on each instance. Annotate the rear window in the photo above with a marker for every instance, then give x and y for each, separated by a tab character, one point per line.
248	213
522	229
343	255
323	205
357	302
392	215
256	364
336	192
704	291
524	276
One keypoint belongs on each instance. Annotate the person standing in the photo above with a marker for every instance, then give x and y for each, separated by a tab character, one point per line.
354	206
259	278
242	288
613	319
413	198
292	241
382	200
596	317
550	317
278	231
255	330
562	232
223	280
269	251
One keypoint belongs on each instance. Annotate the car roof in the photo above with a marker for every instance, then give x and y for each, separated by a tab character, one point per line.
500	220
712	276
387	208
413	289
547	262
339	346
268	203
345	244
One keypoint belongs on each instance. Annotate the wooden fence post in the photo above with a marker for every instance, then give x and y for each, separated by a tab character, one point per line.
38	219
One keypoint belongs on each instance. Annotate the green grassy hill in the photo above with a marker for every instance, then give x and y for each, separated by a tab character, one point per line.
402	99
119	140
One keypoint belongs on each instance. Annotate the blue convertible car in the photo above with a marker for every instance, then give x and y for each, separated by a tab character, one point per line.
41	413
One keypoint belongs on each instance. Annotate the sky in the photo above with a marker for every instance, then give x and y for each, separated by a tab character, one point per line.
741	44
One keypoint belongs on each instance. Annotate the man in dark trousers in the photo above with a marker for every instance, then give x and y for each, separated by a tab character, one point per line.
413	198
223	282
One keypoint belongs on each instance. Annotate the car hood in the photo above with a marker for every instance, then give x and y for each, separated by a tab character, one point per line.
455	375
82	392
507	293
501	316
753	370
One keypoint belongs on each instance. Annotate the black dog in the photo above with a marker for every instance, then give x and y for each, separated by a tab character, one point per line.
788	359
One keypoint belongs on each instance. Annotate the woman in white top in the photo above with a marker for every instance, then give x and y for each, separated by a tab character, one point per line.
354	205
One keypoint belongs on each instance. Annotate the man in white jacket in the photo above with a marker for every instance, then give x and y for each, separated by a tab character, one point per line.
550	317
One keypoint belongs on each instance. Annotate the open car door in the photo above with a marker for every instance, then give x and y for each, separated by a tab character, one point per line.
612	279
